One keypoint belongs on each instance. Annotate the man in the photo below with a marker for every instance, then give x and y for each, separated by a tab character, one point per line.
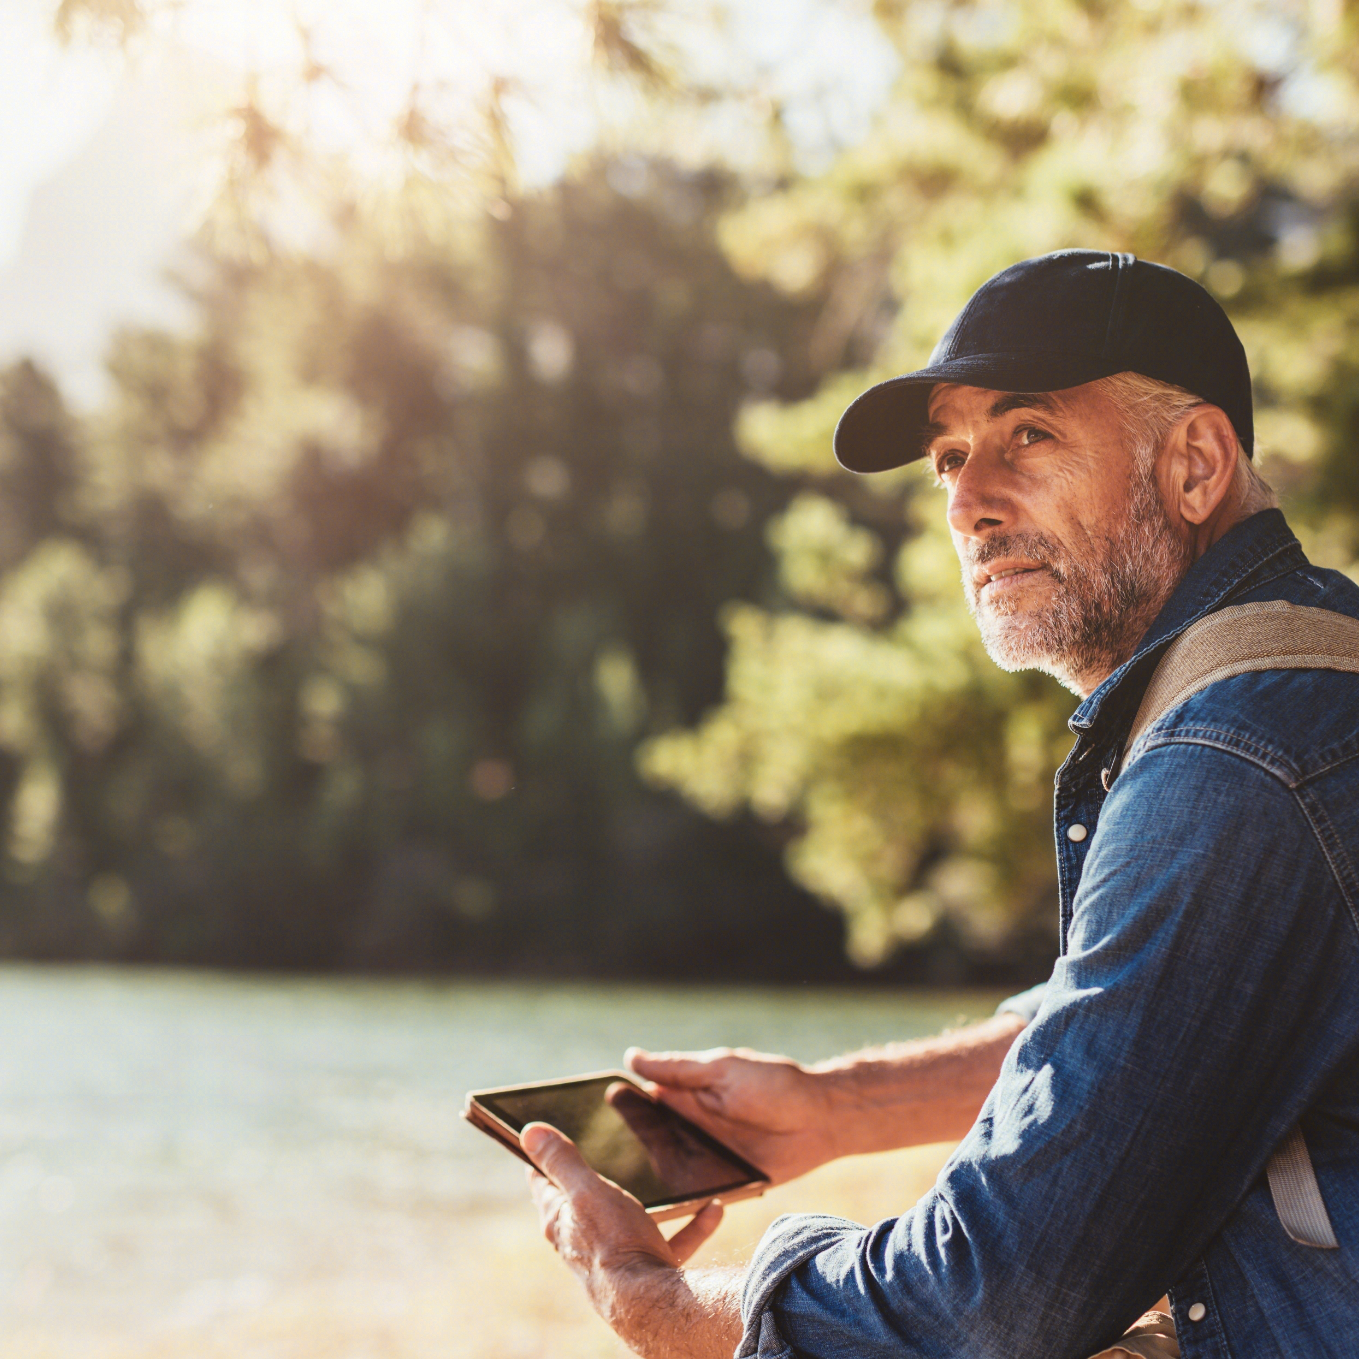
1089	416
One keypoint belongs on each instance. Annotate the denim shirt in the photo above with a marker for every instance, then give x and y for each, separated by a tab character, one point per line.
1206	999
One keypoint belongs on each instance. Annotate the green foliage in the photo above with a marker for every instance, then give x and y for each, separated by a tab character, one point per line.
919	773
1218	139
334	638
329	641
826	560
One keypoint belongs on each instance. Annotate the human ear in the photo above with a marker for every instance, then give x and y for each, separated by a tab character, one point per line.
1202	456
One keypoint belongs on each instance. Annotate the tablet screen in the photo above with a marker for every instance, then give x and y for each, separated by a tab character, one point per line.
628	1137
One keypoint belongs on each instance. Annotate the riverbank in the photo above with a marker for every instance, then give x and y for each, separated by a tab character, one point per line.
483	1285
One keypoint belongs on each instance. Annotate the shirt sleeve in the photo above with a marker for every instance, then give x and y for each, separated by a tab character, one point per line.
1208	941
1026	1004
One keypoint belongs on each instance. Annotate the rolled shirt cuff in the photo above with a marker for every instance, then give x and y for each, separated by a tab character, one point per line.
790	1241
1026	1004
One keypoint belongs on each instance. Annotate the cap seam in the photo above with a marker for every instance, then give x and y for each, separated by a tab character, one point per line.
1123	264
960	324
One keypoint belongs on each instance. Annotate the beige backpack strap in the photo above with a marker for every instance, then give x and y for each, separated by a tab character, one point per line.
1272	635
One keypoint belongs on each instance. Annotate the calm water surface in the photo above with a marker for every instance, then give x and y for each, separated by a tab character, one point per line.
167	1136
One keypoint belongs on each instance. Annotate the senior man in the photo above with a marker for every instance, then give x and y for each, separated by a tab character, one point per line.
1089	416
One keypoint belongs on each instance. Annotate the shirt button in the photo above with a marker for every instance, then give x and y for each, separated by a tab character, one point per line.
1076	832
1197	1312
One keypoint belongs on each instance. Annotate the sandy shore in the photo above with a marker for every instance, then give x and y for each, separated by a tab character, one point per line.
485	1284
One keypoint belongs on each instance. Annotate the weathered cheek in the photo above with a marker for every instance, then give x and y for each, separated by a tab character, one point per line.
1104	474
1074	488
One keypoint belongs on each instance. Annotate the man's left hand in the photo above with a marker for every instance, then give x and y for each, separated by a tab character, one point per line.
603	1233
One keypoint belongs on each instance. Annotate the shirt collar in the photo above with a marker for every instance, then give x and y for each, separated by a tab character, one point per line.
1248	554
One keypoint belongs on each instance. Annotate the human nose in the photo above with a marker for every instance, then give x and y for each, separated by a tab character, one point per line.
978	503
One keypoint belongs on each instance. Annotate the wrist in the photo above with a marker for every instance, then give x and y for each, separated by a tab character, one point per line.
907	1094
663	1312
623	1284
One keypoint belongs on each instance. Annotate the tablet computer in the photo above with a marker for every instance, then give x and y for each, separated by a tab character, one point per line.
625	1134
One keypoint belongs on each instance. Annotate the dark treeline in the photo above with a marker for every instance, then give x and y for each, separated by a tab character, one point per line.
329	642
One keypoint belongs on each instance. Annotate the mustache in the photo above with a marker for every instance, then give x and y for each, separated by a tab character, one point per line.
1037	547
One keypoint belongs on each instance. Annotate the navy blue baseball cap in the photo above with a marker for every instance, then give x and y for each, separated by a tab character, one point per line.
1054	322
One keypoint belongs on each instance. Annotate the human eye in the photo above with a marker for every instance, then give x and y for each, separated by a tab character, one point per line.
948	462
1031	434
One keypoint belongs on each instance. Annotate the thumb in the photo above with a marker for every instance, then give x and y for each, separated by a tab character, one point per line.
674	1069
556	1156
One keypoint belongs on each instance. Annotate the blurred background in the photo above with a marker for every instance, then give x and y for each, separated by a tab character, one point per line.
436	646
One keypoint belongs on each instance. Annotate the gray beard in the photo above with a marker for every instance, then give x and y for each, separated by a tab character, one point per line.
1109	589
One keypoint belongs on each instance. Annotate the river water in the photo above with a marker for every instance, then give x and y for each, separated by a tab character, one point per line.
176	1145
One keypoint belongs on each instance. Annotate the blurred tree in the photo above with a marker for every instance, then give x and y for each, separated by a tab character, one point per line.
37	456
300	453
1223	140
330	640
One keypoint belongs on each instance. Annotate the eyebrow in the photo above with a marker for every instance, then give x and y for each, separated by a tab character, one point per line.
1007	402
1013	401
929	432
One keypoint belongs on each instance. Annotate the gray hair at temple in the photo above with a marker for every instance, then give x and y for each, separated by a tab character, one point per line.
1150	410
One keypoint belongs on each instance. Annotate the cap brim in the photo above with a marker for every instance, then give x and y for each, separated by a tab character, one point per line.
886	426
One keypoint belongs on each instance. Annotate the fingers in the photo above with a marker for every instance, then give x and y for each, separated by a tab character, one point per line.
696	1231
672	1079
692	1105
672	1068
540	1187
548	1200
641	1114
556	1156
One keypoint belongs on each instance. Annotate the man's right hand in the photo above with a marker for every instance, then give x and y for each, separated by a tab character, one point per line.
773	1111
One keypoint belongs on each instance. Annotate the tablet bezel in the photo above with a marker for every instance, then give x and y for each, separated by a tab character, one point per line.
485	1120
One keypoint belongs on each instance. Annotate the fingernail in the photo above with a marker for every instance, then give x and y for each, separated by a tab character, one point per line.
534	1137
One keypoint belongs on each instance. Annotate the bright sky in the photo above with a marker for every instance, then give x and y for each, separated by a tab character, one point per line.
50	102
105	158
825	57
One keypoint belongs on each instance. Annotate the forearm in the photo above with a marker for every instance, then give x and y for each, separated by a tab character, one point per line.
910	1094
663	1313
